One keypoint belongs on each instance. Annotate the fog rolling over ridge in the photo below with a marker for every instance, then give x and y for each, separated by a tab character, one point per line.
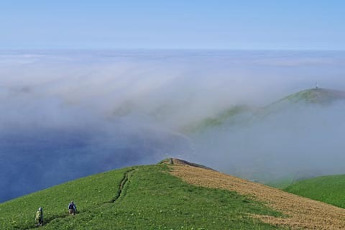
69	114
295	144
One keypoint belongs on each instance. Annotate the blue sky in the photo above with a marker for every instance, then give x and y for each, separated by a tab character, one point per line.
178	24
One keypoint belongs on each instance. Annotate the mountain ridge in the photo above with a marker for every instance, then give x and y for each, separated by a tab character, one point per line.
317	96
242	114
182	195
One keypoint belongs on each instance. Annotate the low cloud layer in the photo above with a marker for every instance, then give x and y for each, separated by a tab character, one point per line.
297	143
69	114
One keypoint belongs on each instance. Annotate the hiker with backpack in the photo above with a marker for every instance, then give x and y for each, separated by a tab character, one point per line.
39	217
72	208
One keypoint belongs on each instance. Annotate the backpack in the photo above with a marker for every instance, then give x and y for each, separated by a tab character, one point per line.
71	206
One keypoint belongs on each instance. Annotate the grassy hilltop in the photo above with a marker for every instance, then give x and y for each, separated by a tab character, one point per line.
172	195
144	197
316	95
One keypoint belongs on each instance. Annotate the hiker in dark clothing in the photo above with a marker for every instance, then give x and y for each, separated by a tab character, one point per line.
39	217
72	208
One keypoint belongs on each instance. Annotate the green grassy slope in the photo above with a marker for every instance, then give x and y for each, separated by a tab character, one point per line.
87	192
328	189
151	198
315	96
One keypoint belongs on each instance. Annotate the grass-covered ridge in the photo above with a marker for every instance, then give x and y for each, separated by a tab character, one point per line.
316	95
242	114
150	198
328	189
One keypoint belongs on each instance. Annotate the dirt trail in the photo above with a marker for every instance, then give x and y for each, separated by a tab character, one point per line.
120	190
122	184
301	212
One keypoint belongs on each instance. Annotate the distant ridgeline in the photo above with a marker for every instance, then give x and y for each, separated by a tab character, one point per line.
242	114
316	95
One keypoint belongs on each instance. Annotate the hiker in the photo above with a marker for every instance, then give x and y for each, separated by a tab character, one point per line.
39	217
72	208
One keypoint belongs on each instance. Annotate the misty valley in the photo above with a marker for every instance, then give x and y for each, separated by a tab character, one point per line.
257	115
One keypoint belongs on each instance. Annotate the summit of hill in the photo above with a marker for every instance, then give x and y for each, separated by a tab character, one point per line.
174	194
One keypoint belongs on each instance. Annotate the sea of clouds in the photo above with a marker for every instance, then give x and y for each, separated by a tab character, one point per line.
68	114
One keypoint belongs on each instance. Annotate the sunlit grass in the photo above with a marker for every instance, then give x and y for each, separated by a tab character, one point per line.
328	189
151	199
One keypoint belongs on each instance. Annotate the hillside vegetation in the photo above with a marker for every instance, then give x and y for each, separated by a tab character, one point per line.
89	193
172	195
328	189
145	197
298	212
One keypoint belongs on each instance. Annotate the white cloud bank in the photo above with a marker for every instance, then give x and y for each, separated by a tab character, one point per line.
98	110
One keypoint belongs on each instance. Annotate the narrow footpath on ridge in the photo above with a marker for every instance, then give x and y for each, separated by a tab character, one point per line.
123	184
120	192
